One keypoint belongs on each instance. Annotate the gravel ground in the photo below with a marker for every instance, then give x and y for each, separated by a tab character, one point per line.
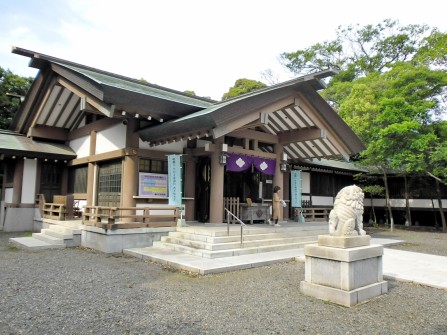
81	291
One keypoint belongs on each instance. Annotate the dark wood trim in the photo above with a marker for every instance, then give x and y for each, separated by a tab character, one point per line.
301	135
47	132
94	126
255	135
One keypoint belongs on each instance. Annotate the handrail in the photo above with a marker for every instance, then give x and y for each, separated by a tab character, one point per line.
238	220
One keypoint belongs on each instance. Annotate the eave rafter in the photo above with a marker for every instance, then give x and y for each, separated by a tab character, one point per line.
107	110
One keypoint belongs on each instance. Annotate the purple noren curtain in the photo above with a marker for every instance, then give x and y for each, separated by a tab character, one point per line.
241	162
238	162
265	165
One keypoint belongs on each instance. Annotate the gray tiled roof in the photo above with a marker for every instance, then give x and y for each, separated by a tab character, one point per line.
16	144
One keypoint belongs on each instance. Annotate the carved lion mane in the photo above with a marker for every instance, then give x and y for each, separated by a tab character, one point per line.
346	218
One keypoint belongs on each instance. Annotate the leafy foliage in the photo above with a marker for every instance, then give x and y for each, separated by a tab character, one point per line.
391	90
242	86
12	88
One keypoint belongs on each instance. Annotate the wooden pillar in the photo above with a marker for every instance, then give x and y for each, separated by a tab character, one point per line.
286	194
129	174
217	185
278	177
190	186
129	180
17	181
91	171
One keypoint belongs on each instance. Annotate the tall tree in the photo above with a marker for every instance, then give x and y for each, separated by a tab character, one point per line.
12	90
390	89
242	86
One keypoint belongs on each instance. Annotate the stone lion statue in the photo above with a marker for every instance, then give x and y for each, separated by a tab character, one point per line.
346	218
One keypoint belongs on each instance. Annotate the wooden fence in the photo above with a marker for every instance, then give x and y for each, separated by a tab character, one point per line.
232	204
130	217
314	213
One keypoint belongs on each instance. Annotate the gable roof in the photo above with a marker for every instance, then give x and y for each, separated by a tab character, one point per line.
307	126
291	114
76	86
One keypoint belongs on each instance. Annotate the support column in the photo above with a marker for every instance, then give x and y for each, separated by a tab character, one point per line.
129	175
286	194
17	182
129	181
91	171
217	185
190	186
278	177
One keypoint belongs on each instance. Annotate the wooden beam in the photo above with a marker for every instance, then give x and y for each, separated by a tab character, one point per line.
300	135
259	114
252	152
107	110
255	135
50	133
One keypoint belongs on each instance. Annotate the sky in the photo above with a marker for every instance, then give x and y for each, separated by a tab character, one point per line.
197	45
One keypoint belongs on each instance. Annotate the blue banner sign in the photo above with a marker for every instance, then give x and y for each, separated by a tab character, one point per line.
296	189
175	180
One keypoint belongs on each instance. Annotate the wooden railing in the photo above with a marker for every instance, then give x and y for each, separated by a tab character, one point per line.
314	213
60	209
130	217
54	211
231	204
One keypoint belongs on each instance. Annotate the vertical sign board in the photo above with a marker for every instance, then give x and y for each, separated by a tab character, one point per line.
296	190
175	180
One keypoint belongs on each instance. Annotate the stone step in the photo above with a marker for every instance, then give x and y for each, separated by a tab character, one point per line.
231	252
74	224
61	235
33	244
248	241
221	231
48	238
65	230
236	238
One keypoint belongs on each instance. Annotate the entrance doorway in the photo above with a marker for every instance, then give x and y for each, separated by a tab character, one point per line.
50	180
248	184
203	186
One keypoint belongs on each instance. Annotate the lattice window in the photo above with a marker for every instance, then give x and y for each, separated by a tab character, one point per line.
153	166
109	184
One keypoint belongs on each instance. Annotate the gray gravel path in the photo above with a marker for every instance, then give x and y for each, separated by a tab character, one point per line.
81	291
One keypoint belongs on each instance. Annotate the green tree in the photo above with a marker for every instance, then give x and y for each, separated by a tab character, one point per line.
13	89
390	89
242	86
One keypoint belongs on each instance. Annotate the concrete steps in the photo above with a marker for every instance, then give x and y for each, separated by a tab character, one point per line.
214	241
33	244
55	234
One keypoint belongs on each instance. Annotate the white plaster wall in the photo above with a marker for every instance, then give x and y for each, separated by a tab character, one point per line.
111	139
81	146
305	182
8	195
143	145
29	181
322	201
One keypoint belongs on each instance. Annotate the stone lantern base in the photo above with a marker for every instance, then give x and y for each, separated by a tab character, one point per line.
343	270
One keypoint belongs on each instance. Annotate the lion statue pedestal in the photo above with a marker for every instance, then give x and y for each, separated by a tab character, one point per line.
343	267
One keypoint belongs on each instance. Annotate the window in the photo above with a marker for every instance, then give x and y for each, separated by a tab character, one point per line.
109	184
153	166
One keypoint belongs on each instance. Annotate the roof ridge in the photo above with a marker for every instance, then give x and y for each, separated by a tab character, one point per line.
37	55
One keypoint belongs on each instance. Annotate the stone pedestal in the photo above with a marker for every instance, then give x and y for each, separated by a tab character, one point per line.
343	270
